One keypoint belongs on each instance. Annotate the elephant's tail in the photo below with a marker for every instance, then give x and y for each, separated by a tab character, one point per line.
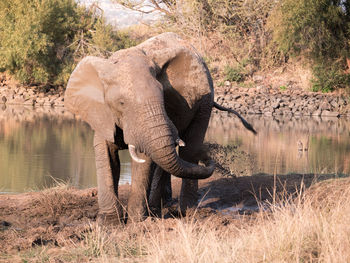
245	123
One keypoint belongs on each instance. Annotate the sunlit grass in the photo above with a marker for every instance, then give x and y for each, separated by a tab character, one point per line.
313	226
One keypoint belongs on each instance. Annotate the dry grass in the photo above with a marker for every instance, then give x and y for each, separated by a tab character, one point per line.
314	227
54	199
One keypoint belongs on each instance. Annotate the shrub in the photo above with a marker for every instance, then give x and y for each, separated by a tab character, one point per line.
327	79
42	40
233	74
319	30
222	29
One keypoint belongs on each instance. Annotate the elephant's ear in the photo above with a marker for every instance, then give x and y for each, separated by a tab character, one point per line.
177	62
85	94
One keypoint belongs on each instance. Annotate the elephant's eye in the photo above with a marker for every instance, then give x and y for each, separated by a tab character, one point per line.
121	103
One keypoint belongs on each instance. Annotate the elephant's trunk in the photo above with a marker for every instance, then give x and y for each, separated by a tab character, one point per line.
161	146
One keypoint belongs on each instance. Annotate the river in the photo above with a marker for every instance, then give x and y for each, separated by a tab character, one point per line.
42	147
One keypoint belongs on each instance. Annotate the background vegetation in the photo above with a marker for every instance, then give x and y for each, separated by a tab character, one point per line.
42	40
255	35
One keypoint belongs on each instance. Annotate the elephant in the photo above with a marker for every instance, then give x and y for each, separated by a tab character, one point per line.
149	99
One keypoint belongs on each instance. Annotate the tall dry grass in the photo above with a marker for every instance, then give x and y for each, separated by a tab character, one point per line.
314	227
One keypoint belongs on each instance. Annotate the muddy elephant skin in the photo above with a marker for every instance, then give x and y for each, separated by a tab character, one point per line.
147	98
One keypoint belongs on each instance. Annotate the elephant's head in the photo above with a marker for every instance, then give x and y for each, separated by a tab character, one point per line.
123	91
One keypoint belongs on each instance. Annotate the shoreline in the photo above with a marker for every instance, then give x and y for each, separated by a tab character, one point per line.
258	100
270	101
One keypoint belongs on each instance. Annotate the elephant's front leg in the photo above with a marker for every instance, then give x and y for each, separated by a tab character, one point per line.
140	178
108	173
192	152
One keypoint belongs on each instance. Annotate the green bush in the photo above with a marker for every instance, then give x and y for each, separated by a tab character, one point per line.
233	74
327	79
319	30
42	40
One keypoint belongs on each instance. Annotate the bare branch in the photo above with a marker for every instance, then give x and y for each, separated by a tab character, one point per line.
148	7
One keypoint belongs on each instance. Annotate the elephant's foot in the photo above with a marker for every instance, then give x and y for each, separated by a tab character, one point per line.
109	219
135	214
155	211
189	195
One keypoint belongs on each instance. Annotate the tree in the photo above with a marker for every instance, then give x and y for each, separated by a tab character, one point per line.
319	30
42	40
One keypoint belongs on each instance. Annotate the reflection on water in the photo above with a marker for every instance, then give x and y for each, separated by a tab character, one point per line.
277	147
39	145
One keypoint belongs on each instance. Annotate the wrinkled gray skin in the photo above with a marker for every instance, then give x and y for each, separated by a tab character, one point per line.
148	97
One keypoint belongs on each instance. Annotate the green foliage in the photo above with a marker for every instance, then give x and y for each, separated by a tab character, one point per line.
237	73
266	33
283	88
42	40
327	79
319	30
318	27
233	74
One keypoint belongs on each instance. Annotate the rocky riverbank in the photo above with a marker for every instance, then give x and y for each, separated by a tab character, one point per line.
12	93
282	101
263	100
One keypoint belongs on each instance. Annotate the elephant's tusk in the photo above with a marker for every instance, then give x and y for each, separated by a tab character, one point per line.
132	151
180	142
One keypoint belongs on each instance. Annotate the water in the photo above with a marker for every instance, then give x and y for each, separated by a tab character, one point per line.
42	146
275	150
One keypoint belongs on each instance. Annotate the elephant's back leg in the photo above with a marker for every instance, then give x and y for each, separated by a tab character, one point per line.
192	152
108	173
160	190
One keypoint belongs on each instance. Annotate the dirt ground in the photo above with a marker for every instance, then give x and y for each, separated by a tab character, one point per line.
52	216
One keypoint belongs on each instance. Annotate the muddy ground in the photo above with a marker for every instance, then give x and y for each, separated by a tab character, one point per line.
53	216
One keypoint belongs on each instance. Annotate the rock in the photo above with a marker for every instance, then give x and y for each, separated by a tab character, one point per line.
29	102
40	101
237	105
16	100
30	92
341	101
316	113
258	78
21	91
278	112
334	104
261	89
275	105
250	101
311	108
327	113
325	106
3	99
306	113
